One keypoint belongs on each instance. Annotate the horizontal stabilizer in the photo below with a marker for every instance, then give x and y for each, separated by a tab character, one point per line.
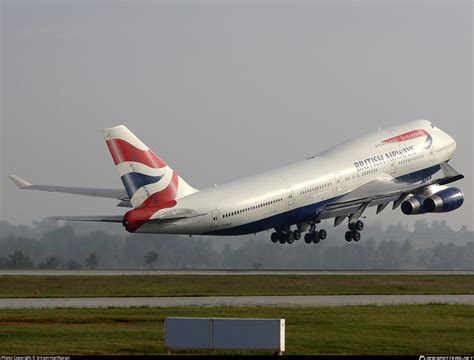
118	194
125	203
99	218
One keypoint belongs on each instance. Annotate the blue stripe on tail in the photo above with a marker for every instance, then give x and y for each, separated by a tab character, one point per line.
134	181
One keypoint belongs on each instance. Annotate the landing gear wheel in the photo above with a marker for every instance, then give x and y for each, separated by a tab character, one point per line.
282	238
307	238
356	235
359	225
349	236
322	234
352	226
315	237
274	237
297	234
290	238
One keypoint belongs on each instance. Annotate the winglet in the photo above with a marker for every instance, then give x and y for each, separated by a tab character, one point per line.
22	184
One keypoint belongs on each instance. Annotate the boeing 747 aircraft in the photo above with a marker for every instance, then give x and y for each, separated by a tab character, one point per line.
405	164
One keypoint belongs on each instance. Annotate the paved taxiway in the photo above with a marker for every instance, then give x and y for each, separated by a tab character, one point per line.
319	300
224	272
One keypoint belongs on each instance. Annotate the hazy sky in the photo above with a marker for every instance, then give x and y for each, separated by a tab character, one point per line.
221	90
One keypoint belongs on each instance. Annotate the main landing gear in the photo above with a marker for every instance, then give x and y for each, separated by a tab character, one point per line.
284	235
354	231
314	236
287	236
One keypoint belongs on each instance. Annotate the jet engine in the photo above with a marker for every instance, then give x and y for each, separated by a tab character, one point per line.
445	200
414	205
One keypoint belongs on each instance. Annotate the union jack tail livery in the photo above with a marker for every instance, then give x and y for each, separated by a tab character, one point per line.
147	179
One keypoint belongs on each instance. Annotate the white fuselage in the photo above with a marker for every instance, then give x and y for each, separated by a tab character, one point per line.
293	193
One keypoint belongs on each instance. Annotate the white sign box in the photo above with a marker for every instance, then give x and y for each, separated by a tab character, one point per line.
221	334
185	333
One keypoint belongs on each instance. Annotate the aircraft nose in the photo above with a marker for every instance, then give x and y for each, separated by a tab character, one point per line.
451	141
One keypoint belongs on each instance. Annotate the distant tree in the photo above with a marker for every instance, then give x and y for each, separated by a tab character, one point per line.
405	253
18	260
447	256
50	262
73	265
151	258
91	261
388	255
3	263
440	227
468	252
421	226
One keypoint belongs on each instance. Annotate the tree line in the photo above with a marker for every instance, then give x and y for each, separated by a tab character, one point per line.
43	245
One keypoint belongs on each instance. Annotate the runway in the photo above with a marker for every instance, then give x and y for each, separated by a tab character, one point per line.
285	301
224	272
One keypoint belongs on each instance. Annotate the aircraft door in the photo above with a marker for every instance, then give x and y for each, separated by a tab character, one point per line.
393	169
215	218
291	197
338	179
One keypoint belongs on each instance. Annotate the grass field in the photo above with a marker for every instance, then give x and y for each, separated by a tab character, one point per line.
213	285
409	329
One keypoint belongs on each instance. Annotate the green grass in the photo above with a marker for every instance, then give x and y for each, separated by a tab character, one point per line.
235	285
408	329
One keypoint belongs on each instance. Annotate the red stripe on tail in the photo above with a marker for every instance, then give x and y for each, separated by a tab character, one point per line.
166	195
122	151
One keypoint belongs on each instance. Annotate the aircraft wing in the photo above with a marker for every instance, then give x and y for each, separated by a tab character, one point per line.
119	194
380	192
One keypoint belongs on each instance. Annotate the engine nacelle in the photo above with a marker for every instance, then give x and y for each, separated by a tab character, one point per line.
445	200
413	206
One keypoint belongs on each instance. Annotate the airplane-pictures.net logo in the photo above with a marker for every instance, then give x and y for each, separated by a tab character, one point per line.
446	357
